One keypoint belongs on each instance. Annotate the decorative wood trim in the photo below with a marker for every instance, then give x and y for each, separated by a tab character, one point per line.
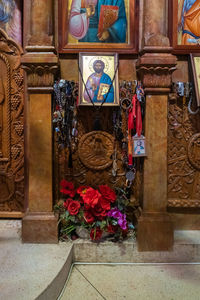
183	155
41	69
184	203
12	134
12	215
155	71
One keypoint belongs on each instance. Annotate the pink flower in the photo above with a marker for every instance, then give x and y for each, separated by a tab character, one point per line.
122	223
115	213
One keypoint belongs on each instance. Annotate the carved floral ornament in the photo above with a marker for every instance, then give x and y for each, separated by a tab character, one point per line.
10	49
183	156
155	70
156	76
40	75
194	151
11	127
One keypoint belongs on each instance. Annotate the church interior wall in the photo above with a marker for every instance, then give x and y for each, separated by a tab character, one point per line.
152	43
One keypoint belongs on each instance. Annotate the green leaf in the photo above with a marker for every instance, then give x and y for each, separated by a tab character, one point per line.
68	229
114	222
98	223
66	214
95	230
72	218
103	224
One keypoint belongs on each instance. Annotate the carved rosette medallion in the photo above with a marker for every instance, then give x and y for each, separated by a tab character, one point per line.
194	151
95	150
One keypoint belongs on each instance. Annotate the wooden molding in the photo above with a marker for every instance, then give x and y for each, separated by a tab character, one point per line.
40	68
155	71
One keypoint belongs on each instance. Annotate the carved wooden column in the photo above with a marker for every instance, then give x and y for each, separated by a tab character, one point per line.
40	63
155	67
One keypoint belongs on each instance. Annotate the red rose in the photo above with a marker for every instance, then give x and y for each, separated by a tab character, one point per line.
66	203
73	207
82	190
89	218
67	188
95	233
111	228
107	193
125	232
105	204
91	197
98	211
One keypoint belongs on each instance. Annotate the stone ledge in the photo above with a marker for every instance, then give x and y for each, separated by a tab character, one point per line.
126	252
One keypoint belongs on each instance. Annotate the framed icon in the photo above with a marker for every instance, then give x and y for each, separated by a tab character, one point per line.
184	25
195	63
139	146
98	79
99	25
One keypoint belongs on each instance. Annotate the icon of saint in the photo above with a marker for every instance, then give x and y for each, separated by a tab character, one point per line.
189	21
98	21
99	87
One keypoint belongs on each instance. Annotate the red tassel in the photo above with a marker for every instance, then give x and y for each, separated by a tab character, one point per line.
138	119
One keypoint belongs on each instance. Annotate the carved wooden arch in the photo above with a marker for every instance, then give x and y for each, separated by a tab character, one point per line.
11	127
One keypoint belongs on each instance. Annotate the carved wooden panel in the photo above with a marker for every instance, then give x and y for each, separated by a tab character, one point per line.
92	155
11	127
183	156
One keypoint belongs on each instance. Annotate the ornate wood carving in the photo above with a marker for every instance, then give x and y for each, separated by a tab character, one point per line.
157	77
155	70
194	151
40	75
41	69
98	170
183	156
95	150
11	126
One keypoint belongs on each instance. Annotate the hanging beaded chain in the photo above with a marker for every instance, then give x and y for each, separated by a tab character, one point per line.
65	113
127	89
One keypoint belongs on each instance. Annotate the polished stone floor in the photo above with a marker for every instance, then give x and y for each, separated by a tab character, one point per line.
39	271
133	282
27	270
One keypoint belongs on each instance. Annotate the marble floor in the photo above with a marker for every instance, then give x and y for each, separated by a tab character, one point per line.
133	282
39	271
29	271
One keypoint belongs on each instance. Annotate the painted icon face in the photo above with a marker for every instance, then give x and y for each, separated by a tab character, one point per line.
98	67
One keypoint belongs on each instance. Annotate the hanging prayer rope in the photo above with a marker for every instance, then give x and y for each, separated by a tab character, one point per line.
132	102
65	114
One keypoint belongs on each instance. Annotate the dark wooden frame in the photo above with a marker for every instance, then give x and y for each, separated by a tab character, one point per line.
131	47
173	31
194	72
115	79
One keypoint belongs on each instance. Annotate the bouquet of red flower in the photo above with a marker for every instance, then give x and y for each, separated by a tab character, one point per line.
95	210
